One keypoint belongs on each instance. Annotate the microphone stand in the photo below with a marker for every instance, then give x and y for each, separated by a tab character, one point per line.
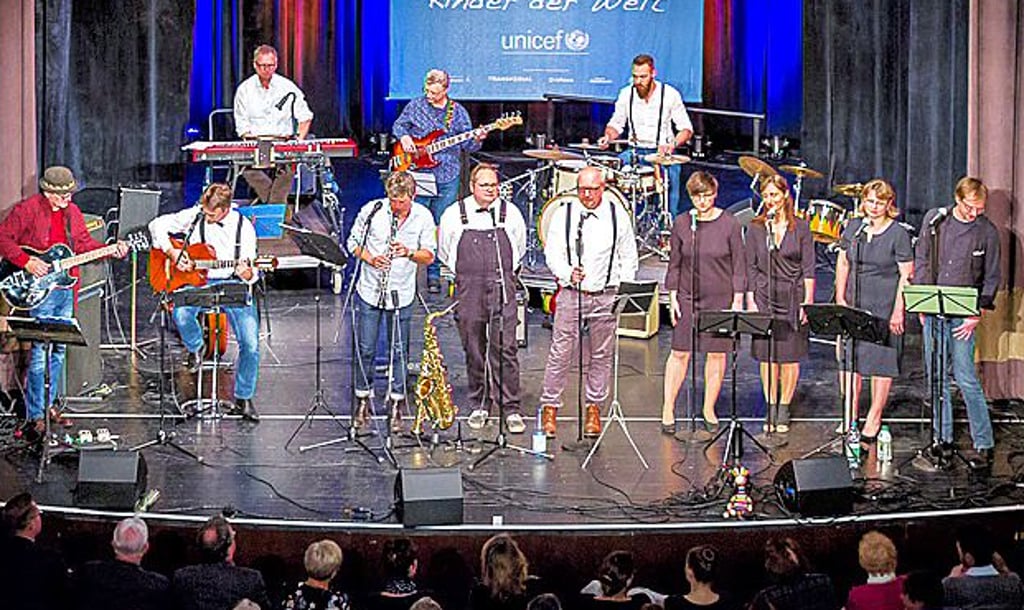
581	329
693	435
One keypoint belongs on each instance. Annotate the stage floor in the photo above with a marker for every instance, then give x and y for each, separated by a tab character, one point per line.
251	470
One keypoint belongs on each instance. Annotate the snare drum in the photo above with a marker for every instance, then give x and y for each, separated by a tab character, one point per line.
640	178
544	220
826	219
609	165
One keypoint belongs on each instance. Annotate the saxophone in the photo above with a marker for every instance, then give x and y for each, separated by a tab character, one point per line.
433	392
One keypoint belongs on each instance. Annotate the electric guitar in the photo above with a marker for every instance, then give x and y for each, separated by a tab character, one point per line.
24	290
163	275
433	143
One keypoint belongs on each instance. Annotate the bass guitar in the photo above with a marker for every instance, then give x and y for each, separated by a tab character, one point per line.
163	276
24	290
433	143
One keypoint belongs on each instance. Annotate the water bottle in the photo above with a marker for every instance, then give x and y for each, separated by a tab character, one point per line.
853	445
884	445
540	440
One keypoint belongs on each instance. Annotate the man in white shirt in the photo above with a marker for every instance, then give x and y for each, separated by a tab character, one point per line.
232	238
649	109
483	239
268	105
590	248
390	240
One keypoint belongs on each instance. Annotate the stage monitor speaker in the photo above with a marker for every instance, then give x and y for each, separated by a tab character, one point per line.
816	487
429	496
110	479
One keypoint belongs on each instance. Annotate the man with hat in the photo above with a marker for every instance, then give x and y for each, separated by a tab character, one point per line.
39	222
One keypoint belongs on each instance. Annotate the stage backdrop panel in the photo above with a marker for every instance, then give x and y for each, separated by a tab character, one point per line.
524	49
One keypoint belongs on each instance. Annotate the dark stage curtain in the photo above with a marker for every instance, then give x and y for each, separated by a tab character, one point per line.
885	95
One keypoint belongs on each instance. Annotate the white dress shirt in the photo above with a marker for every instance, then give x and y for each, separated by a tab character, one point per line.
450	229
256	111
220	236
646	114
417	232
597	244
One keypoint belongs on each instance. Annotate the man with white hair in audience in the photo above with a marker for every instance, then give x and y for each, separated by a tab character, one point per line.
122	582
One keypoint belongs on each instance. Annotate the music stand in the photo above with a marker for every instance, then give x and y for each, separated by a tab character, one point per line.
47	330
136	208
632	297
847	323
733	324
943	302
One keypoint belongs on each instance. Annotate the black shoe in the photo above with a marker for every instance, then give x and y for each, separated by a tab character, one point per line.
941	451
32	431
245	408
981	460
434	286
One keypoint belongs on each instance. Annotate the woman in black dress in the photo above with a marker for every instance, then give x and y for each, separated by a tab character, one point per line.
780	256
505	580
875	262
706	257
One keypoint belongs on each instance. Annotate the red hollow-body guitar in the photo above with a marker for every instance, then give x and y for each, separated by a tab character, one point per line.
433	143
161	277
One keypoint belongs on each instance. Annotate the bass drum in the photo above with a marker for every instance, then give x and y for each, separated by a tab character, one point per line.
544	220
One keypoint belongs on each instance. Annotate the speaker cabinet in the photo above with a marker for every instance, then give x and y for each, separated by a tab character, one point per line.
110	479
816	487
429	496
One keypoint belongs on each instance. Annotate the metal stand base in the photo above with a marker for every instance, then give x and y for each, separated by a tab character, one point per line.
615	416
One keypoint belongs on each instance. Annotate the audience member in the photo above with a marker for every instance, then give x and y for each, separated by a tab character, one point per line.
877	555
31	577
217	583
121	583
400	564
794	586
611	590
544	601
246	604
975	582
425	603
702	565
322	561
922	590
505	581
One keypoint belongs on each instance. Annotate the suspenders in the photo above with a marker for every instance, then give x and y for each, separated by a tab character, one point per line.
615	238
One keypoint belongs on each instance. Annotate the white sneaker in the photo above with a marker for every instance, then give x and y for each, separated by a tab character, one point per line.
515	424
477	419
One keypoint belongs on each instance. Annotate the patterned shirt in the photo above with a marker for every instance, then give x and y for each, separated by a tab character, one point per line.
419	118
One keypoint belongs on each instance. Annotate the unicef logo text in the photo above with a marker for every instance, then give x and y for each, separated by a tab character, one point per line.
529	42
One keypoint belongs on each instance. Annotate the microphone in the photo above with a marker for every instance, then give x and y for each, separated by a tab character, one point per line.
861	230
280	104
940	215
771	214
693	220
376	208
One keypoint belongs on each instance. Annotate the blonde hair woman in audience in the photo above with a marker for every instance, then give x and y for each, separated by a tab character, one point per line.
505	581
877	555
322	561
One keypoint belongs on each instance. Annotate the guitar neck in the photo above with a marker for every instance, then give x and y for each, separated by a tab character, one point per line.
217	264
85	257
450	141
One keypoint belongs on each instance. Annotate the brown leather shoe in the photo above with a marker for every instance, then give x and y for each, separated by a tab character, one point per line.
396	416
549	420
592	421
361	414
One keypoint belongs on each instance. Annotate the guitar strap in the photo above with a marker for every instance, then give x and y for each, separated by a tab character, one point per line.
67	229
238	238
449	114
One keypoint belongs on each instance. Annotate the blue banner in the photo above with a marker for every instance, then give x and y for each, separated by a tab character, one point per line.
525	49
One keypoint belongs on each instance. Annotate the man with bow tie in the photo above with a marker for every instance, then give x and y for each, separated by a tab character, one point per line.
232	237
590	248
483	240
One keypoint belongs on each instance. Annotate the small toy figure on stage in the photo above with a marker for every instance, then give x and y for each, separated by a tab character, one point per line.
740	504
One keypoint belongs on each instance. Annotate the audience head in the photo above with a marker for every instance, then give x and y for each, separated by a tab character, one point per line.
876	553
425	603
544	601
503	567
783	558
702	564
322	560
131	539
616	573
400	558
246	604
216	540
22	517
922	589
975	546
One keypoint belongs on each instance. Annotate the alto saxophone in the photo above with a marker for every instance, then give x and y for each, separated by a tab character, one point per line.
433	392
385	276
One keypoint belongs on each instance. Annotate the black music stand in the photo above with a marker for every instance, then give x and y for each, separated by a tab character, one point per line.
632	297
734	324
47	330
944	303
849	324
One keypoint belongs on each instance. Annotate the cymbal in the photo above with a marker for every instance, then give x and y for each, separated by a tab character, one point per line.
852	189
585	146
551	154
753	166
801	171
659	159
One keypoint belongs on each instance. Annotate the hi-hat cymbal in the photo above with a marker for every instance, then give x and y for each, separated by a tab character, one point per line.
801	171
756	167
551	154
852	189
659	159
585	146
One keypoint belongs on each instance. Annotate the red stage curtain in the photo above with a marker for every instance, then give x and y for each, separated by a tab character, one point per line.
18	102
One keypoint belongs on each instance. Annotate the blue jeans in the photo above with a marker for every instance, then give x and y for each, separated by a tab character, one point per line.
59	304
674	173
446	194
368	325
245	325
960	357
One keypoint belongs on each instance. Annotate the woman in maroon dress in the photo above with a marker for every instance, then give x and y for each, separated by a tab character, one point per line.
706	260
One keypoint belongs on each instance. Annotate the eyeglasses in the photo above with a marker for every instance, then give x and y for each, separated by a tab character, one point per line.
487	185
589	189
267	66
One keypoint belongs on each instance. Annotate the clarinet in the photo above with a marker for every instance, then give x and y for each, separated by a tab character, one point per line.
385	276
